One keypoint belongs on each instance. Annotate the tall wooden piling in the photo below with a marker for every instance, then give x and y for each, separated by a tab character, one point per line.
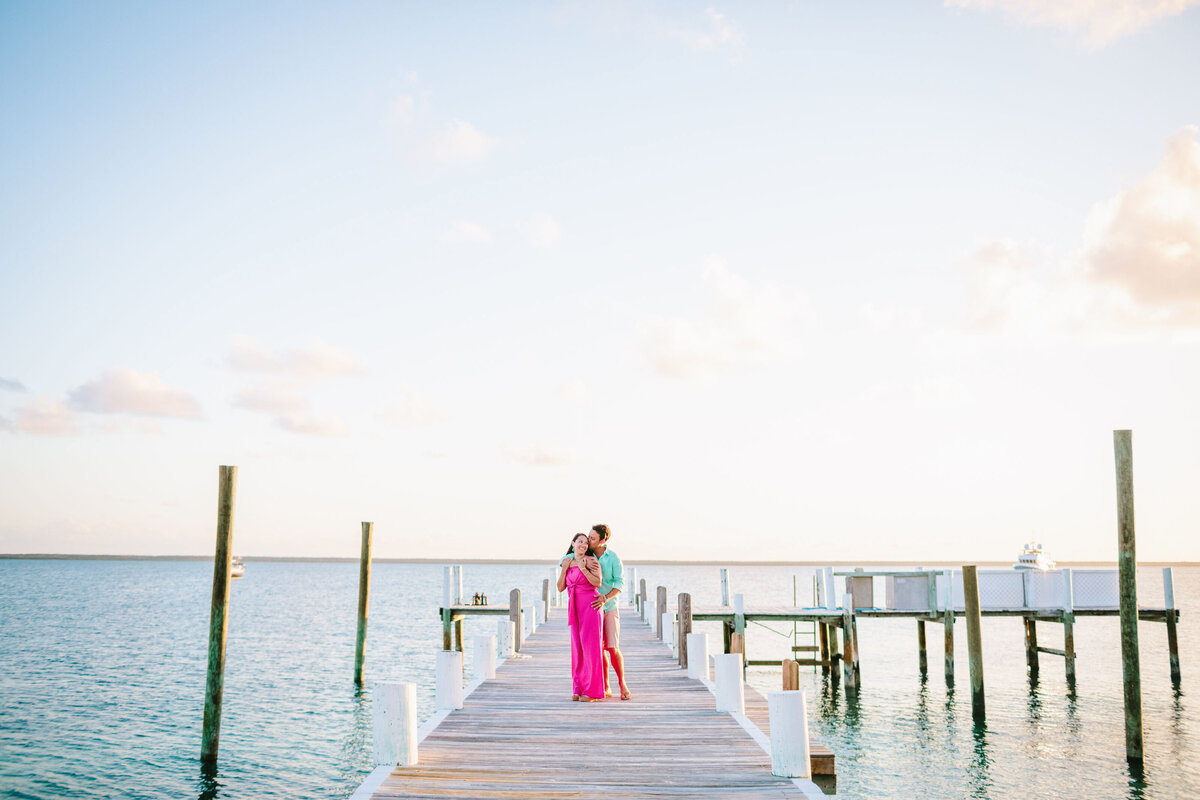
974	640
1031	647
660	608
826	656
948	625
685	626
1068	620
922	657
725	596
849	644
364	594
514	615
1172	636
1127	578
218	624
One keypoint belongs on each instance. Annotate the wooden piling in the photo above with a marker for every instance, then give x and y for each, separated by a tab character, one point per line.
725	596
1127	580
684	626
1068	620
1031	646
948	625
737	643
218	624
642	595
974	640
922	657
364	593
545	599
826	660
791	675
1172	636
849	650
514	615
660	608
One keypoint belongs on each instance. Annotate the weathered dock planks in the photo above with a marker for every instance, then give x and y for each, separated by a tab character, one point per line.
519	735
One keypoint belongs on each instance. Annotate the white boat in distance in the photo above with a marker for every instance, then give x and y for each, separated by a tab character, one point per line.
1033	558
236	568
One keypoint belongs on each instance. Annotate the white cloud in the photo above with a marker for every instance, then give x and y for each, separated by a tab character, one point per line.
309	425
270	400
411	411
45	417
743	323
463	231
1137	266
541	230
1098	21
403	108
131	392
536	456
717	31
460	143
316	362
10	385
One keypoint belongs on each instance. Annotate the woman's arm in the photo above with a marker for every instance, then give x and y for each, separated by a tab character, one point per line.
562	574
591	570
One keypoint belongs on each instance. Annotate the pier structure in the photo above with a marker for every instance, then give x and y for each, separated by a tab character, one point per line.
518	734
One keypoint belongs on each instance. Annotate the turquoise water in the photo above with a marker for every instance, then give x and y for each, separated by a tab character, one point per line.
102	685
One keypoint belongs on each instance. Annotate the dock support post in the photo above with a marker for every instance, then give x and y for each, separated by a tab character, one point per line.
1131	669
1172	635
484	657
697	649
948	625
660	605
685	626
514	614
545	600
218	621
642	596
364	594
731	695
790	753
791	675
849	651
1031	647
974	640
449	687
394	723
457	597
531	616
826	656
1068	619
922	657
725	587
505	636
632	597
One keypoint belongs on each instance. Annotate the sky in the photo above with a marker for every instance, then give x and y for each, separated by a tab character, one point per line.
785	280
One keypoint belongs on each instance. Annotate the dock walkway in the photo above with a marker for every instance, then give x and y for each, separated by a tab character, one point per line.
520	735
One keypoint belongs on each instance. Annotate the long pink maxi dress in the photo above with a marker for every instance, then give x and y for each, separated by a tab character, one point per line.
587	665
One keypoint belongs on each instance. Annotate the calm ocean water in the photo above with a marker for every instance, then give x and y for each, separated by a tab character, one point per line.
102	685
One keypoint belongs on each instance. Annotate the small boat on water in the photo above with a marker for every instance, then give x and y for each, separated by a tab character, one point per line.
237	568
1033	557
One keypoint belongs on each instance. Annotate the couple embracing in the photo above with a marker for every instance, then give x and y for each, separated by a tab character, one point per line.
591	575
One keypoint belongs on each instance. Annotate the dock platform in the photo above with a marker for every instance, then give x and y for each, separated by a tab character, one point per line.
521	735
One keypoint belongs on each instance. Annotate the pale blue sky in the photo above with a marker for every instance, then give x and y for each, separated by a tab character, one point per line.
793	280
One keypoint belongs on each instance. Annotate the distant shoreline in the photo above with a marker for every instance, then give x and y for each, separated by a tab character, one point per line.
631	562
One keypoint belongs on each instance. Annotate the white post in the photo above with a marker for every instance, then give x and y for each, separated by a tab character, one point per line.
505	636
697	652
788	714
449	688
830	594
1168	588
458	594
674	635
554	588
632	583
394	713
725	586
530	615
731	695
446	587
485	657
666	625
543	613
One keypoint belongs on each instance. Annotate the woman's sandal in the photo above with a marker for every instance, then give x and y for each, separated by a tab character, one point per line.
626	694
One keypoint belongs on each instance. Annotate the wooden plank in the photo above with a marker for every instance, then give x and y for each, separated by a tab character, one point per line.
519	735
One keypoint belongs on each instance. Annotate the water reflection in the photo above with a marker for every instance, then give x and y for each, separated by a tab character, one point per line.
209	784
1137	781
979	770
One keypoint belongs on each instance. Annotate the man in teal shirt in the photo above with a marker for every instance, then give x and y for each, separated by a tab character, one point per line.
612	581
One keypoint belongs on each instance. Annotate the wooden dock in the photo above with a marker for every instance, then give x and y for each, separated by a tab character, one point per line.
520	735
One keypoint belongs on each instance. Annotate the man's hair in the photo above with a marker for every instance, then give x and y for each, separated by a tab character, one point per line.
603	531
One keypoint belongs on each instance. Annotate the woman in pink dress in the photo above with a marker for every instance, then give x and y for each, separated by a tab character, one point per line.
579	578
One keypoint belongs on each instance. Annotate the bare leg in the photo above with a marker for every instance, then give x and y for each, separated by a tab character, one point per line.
618	663
607	691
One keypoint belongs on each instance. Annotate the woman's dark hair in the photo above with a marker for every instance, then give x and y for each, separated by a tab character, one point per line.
571	547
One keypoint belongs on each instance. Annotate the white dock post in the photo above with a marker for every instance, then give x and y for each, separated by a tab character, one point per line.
725	586
632	584
505	636
666	618
731	694
456	586
394	723
790	754
530	614
485	657
830	596
446	580
697	653
449	687
542	612
1172	635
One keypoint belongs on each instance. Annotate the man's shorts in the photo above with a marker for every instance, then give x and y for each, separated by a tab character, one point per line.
612	629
